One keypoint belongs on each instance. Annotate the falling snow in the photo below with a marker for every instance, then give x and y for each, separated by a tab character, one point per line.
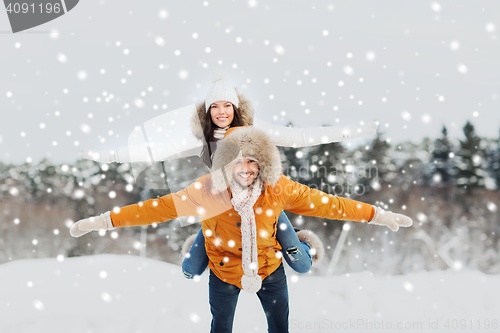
66	89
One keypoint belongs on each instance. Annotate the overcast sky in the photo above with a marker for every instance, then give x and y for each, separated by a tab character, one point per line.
89	77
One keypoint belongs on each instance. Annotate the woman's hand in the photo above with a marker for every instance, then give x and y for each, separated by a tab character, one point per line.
351	132
102	156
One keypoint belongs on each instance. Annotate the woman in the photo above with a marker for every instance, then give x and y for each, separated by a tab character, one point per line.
224	108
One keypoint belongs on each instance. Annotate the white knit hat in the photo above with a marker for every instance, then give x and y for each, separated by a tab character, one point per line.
221	91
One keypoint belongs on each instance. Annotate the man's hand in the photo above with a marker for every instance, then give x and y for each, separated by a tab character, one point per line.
101	222
390	219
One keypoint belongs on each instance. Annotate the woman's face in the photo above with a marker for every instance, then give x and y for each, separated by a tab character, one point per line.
222	113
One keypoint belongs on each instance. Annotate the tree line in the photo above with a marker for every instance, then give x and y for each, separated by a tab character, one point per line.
448	187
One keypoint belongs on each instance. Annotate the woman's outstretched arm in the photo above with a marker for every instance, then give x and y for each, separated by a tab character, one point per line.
310	136
165	137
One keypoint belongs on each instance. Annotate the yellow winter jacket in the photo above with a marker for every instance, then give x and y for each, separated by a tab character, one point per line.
221	223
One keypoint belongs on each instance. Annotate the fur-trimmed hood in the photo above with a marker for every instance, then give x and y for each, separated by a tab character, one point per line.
199	117
245	142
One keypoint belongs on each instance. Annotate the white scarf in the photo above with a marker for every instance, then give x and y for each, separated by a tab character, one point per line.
243	201
220	132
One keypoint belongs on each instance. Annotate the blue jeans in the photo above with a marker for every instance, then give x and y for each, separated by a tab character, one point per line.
295	252
273	296
196	261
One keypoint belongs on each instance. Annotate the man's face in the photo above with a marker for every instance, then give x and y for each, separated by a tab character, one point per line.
246	171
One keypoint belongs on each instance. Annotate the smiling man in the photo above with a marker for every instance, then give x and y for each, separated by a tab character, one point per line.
239	204
246	171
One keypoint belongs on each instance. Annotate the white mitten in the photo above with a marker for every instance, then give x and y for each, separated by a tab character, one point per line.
101	222
102	156
390	219
350	132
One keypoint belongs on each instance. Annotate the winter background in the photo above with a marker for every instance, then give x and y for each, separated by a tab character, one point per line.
428	71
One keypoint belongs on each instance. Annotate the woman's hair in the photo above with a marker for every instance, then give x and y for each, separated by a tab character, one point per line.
208	132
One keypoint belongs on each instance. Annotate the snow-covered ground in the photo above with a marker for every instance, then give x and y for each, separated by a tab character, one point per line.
110	293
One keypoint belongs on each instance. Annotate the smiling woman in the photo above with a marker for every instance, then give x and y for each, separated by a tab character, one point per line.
223	104
222	113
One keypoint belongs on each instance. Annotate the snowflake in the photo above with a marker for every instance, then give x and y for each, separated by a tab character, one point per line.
436	7
82	75
194	317
406	115
348	70
454	45
490	27
491	206
163	14
408	286
159	41
106	297
279	49
370	56
462	69
38	305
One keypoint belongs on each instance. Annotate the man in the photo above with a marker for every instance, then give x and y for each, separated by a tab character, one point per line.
239	204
